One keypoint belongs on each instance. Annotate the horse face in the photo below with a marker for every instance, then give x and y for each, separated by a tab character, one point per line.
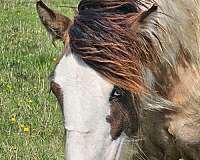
87	111
96	112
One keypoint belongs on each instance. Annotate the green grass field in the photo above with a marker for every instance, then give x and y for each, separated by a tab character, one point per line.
30	119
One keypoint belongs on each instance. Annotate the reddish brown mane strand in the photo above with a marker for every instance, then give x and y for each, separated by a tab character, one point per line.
105	35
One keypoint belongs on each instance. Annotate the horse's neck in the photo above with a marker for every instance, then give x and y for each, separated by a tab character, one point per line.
181	28
183	93
177	44
177	76
175	79
184	125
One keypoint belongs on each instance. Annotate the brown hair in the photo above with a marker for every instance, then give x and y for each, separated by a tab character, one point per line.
105	34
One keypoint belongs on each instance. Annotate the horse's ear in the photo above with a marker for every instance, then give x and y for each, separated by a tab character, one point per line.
55	23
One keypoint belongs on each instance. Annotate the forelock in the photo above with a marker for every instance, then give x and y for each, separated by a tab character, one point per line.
105	34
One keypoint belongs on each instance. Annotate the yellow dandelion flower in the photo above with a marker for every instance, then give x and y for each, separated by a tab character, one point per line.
26	130
13	120
54	59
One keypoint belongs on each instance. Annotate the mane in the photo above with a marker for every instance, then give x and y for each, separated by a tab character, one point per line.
120	38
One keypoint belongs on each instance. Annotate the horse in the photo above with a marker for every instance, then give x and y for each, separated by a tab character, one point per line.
128	80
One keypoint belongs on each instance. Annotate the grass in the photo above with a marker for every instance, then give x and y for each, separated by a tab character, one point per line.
30	119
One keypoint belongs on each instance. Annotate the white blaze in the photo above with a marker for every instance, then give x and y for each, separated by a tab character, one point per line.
86	105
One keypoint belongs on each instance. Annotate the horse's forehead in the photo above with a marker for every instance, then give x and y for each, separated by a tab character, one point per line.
86	94
73	72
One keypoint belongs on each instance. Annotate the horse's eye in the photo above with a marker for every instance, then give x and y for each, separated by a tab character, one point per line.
116	94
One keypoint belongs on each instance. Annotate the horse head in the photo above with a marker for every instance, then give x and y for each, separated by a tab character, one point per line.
116	74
